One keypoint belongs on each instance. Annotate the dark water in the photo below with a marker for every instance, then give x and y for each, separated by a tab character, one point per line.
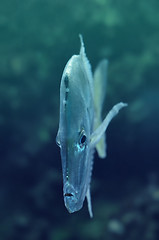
37	38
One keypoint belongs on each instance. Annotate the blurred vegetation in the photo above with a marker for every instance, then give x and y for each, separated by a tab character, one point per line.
37	37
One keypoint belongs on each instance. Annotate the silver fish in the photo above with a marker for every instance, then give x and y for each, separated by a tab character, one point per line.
81	129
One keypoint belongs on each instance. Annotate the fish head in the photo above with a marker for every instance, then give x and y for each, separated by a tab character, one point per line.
75	170
75	126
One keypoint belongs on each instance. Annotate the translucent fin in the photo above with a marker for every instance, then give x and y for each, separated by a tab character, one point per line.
88	195
82	50
100	79
97	134
87	65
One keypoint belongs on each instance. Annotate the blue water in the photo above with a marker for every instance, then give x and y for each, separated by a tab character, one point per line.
36	40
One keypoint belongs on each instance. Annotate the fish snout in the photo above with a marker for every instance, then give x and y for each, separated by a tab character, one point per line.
69	192
71	198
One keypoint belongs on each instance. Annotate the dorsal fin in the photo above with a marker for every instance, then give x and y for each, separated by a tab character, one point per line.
82	49
86	63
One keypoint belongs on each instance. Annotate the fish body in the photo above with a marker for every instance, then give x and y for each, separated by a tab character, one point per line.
81	129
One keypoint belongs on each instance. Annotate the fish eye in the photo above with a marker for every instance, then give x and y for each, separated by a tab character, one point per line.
83	139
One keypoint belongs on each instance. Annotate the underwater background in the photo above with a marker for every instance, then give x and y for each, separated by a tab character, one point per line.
37	38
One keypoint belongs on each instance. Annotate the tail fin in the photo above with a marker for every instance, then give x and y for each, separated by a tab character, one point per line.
100	80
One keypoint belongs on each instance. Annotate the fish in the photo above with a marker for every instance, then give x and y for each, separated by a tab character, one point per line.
81	129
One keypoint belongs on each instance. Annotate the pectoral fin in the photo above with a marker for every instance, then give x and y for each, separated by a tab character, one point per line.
97	134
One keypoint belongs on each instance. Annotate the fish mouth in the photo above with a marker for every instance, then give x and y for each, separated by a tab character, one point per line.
70	198
68	195
69	192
